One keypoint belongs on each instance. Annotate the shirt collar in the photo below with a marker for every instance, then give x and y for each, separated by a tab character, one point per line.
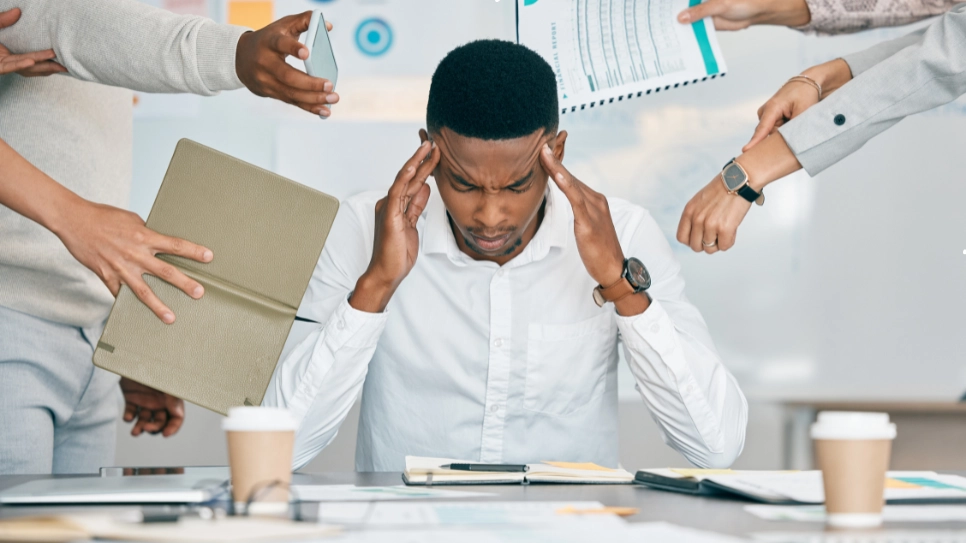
555	230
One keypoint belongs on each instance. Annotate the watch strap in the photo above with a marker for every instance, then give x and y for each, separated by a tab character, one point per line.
748	193
618	291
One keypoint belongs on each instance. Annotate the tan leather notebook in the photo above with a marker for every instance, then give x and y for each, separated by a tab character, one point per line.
266	233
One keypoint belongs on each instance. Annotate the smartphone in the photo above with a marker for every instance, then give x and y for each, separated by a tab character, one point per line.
321	61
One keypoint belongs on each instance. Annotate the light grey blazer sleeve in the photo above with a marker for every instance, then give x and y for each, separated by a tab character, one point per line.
924	74
126	43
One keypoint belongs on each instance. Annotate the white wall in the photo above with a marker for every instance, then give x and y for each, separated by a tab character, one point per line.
845	286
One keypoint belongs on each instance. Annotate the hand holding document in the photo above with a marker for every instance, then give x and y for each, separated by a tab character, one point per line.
607	51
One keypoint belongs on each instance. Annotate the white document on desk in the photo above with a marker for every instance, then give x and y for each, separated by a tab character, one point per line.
645	532
862	536
462	514
353	493
806	486
890	513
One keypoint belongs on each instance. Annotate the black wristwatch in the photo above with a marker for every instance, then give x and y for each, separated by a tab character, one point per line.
735	179
634	279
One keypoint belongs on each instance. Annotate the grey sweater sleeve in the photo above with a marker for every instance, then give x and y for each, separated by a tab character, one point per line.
126	43
845	16
923	75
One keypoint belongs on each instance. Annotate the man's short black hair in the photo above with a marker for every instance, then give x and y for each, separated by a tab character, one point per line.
493	90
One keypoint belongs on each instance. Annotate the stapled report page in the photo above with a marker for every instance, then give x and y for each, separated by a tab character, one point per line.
604	51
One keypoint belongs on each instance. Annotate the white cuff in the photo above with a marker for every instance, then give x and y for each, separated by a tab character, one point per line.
349	327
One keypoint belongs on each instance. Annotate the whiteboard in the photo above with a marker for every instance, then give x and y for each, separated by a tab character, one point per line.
847	286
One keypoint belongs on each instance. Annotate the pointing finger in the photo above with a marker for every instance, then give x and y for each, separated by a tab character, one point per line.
770	118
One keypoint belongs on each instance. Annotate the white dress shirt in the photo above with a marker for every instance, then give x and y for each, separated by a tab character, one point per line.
517	363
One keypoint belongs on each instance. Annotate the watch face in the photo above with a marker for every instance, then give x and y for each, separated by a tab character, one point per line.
733	177
637	275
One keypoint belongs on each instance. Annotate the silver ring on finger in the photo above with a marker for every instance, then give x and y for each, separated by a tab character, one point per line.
712	244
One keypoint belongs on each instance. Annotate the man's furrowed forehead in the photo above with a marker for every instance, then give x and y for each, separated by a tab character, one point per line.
490	163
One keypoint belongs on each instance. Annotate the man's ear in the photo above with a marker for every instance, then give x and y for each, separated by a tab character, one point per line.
423	135
559	144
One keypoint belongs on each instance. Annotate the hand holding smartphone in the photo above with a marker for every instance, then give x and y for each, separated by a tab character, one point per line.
321	62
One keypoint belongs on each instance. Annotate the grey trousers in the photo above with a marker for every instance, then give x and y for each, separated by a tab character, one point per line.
58	413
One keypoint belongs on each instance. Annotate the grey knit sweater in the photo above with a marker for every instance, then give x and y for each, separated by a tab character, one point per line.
78	128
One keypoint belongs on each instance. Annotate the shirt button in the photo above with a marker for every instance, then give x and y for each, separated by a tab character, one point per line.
494	408
497	343
499	272
839	119
655	328
340	325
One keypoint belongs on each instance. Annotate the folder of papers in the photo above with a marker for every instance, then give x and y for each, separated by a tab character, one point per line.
424	471
800	487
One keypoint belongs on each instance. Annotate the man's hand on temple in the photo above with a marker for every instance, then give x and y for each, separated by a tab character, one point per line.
260	64
396	242
33	64
597	241
155	411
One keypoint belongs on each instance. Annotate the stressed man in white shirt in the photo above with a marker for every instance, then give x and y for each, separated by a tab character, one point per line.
470	316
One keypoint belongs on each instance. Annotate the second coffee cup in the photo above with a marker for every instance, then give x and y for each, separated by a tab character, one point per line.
853	452
260	443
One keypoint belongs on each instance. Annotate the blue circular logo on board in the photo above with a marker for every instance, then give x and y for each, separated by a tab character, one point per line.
374	37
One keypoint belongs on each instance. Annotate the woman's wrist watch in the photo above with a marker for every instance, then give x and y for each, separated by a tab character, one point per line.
634	279
735	179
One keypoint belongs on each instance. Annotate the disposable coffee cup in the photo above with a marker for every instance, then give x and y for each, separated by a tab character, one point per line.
260	443
853	451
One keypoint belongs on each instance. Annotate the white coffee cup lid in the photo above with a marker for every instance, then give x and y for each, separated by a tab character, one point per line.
259	419
853	425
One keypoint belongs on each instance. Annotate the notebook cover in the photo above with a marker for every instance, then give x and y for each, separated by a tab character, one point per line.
266	233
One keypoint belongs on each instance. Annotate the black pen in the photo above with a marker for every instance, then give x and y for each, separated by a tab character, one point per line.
509	468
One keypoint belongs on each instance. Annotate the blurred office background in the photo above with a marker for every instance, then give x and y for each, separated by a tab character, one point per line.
847	289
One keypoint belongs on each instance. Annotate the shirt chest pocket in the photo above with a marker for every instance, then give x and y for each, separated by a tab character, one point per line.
567	364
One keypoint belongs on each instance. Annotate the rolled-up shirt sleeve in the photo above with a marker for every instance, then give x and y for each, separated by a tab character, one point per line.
694	399
927	71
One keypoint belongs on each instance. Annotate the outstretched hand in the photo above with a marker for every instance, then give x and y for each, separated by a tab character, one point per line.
710	220
597	240
260	64
795	96
115	244
33	64
740	14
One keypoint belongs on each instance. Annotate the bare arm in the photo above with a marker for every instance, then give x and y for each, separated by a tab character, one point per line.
111	242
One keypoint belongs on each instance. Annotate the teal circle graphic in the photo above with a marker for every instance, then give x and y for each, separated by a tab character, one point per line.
374	37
